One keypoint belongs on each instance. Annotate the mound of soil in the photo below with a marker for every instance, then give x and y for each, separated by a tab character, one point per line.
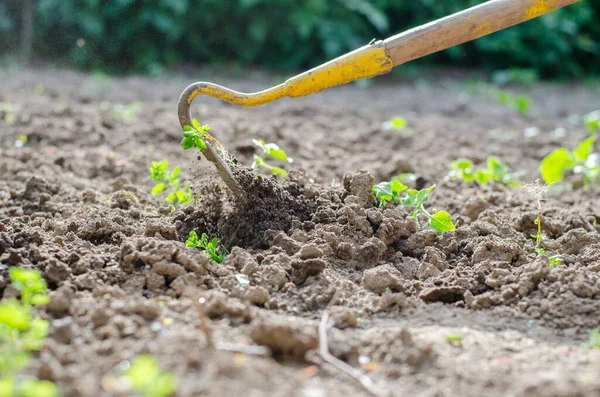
76	204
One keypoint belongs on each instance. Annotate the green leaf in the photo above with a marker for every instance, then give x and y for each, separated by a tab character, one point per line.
279	154
462	164
7	386
196	124
441	222
172	197
144	369
278	171
192	241
504	98
175	173
554	165
584	149
40	299
14	315
157	189
32	387
497	169
164	385
522	103
592	121
200	144
482	176
396	123
261	144
397	187
187	128
33	338
187	143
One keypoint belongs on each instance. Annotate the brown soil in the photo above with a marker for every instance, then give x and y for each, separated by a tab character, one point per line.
76	204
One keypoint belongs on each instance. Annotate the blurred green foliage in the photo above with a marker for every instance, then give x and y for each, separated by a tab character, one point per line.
146	35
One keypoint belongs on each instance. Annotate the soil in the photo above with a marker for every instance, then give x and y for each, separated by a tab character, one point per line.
76	204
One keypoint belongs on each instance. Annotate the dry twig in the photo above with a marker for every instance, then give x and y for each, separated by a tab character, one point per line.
349	370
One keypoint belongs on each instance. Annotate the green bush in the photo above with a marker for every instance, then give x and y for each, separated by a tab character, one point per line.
145	35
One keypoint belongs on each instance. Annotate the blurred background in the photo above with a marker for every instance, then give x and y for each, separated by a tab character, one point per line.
151	36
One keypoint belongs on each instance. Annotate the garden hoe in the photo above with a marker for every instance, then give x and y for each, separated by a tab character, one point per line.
376	58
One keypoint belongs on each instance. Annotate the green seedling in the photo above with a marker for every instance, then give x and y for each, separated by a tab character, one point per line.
395	123
495	171
441	221
270	151
159	172
388	191
556	260
592	121
454	338
209	247
582	160
538	236
539	192
520	103
127	112
145	378
23	332
6	113
594	339
194	135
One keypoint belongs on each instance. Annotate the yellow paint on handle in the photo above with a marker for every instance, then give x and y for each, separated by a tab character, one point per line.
540	7
484	29
368	61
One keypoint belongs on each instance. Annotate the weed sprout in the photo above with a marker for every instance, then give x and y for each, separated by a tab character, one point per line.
145	378
170	180
495	171
386	192
270	151
209	247
22	332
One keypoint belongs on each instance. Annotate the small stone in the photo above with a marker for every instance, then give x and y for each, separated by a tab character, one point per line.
382	278
148	310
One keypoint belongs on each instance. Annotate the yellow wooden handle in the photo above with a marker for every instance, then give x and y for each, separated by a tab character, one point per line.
369	61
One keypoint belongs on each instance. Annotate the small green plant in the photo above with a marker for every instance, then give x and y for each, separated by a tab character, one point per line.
495	171
395	123
538	236
520	103
270	151
145	378
388	191
159	172
127	112
556	260
454	338
582	160
23	332
194	135
594	339
538	192
209	247
6	113
592	121
441	221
